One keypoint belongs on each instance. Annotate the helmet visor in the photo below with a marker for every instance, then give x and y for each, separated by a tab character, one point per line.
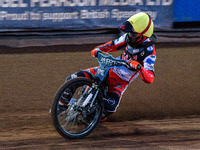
134	35
126	27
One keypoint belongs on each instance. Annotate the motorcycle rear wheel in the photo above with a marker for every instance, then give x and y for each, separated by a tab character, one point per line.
71	119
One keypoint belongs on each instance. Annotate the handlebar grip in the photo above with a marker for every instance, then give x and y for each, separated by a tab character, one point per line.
139	67
96	53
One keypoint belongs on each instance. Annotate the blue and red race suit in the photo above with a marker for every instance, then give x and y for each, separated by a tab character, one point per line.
120	77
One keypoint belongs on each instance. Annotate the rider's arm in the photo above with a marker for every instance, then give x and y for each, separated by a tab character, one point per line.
147	70
147	75
113	45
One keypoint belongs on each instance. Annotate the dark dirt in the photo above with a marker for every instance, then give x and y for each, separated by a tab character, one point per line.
144	121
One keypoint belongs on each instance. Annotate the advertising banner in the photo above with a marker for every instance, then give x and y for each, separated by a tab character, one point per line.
186	10
80	14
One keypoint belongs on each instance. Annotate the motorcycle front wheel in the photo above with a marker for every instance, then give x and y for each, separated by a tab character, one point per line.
72	118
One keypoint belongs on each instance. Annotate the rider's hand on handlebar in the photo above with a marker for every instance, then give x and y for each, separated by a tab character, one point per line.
94	52
135	65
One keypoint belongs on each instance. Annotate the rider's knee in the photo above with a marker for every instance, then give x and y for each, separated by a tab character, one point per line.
112	102
110	105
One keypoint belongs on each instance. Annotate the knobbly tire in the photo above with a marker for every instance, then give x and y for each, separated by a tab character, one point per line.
71	120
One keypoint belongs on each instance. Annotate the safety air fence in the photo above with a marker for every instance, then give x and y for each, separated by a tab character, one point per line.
33	17
79	14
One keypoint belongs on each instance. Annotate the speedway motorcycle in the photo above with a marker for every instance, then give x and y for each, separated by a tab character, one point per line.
84	100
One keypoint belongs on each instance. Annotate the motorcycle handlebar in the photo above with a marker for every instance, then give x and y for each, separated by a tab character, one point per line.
96	53
126	64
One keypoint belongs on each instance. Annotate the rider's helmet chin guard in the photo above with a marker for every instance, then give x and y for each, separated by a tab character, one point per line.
140	23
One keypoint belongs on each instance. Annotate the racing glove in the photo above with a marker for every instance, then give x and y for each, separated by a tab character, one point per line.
146	75
135	65
94	52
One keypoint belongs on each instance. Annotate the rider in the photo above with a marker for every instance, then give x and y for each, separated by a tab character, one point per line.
139	52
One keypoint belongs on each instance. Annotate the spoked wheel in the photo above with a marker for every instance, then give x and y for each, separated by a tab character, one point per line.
73	118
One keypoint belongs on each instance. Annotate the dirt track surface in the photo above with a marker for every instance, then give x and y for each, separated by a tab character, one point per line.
29	82
34	131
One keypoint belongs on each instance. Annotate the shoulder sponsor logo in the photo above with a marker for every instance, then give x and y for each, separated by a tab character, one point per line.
150	61
153	56
150	48
120	39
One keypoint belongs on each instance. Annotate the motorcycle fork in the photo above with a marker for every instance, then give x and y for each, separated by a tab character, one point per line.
92	95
